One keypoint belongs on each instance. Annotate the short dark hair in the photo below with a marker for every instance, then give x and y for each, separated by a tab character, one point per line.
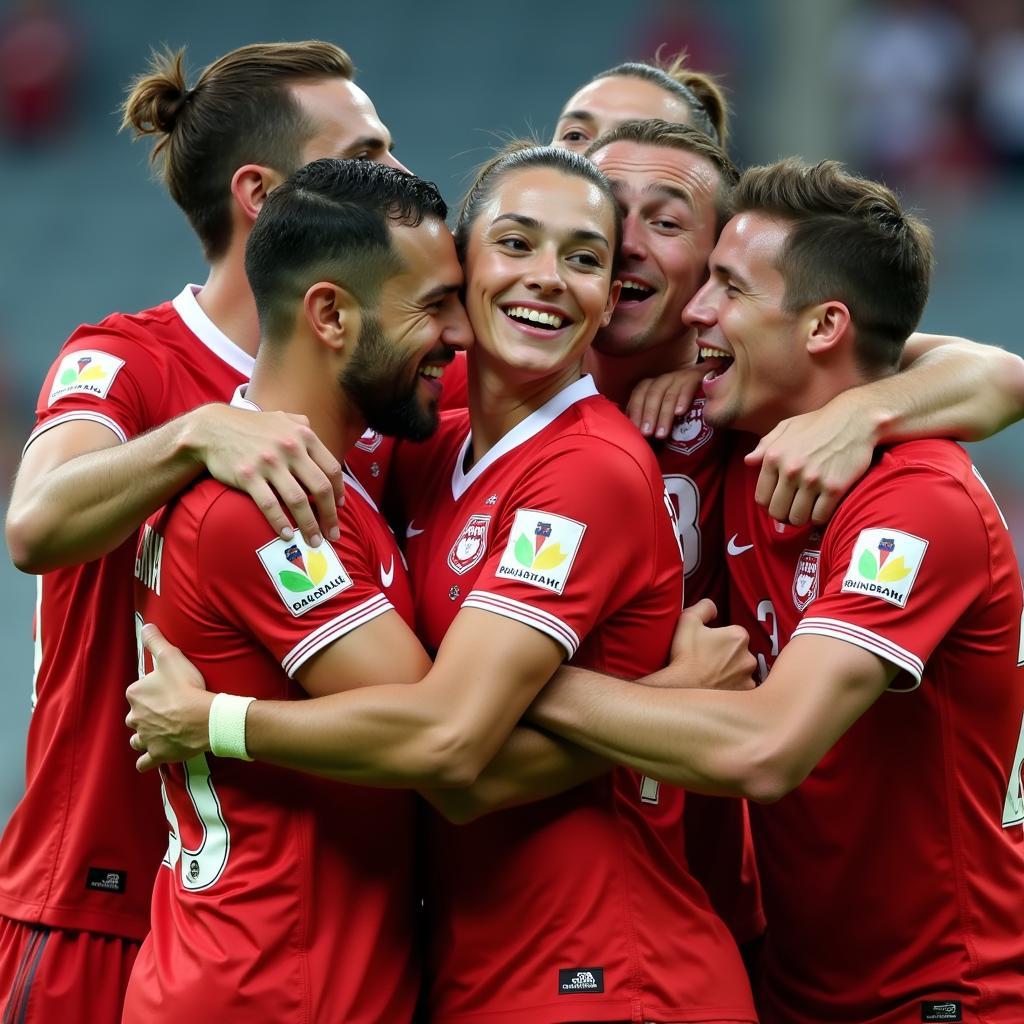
655	132
850	240
239	111
518	156
700	91
330	221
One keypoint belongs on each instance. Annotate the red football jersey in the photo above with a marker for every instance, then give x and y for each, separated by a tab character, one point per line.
369	461
580	906
82	847
454	394
893	875
692	460
283	897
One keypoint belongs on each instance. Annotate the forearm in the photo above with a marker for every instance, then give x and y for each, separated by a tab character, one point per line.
957	389
708	741
388	735
532	765
87	506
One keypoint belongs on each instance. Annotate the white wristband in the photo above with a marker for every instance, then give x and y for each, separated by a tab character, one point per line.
227	726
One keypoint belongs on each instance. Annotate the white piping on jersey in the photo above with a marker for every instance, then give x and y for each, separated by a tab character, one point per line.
191	313
78	414
239	401
338	627
868	640
539	619
520	433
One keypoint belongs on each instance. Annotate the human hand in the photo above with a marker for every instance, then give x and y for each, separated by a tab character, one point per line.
707	658
809	462
170	706
277	460
656	401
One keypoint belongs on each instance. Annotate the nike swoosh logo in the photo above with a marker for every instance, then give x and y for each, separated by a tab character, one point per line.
387	577
411	531
737	549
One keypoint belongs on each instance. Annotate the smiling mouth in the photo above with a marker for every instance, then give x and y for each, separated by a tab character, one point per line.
634	291
717	361
536	318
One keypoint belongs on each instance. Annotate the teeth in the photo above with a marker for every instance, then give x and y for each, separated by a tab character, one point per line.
535	316
432	371
636	286
714	353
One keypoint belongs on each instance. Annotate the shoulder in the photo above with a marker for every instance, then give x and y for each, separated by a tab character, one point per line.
595	437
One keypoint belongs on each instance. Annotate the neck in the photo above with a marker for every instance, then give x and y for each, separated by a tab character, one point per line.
617	375
227	300
499	401
284	381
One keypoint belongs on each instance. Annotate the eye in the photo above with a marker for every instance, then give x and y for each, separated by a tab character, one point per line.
513	243
574	135
587	259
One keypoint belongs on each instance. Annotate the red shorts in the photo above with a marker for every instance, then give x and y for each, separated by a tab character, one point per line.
50	976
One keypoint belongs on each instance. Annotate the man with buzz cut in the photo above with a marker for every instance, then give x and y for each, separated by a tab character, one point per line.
285	898
888	732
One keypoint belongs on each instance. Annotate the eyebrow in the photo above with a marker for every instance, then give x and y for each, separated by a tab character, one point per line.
582	234
370	142
577	115
721	270
438	292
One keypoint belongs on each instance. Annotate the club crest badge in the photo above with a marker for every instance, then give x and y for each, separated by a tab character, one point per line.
470	545
369	441
805	579
690	431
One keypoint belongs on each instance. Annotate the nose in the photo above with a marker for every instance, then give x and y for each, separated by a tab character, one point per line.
634	245
700	310
543	272
390	160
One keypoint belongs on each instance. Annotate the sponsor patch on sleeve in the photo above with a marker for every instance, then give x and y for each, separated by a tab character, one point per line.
304	577
885	563
541	549
87	372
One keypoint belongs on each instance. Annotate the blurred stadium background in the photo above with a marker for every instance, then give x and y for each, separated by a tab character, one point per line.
927	94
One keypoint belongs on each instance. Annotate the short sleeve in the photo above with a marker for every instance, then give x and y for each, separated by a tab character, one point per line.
905	557
576	538
102	376
294	600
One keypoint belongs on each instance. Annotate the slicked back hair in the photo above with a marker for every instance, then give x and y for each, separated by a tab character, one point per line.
239	111
519	156
851	241
699	91
655	132
331	221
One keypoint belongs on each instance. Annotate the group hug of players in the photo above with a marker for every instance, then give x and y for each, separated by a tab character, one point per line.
496	777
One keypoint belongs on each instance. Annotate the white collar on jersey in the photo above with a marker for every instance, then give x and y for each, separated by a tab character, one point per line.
521	432
239	401
186	306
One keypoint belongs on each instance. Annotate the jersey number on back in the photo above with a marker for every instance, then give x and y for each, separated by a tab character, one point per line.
203	865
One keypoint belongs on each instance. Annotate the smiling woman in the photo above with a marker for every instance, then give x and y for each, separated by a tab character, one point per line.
542	534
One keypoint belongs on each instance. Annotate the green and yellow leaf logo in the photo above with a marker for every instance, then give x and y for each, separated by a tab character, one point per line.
881	568
308	570
539	554
85	369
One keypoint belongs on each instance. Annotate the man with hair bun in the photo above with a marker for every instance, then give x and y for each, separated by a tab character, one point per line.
121	427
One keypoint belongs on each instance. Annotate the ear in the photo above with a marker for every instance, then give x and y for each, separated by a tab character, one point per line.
613	298
250	186
333	315
828	325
